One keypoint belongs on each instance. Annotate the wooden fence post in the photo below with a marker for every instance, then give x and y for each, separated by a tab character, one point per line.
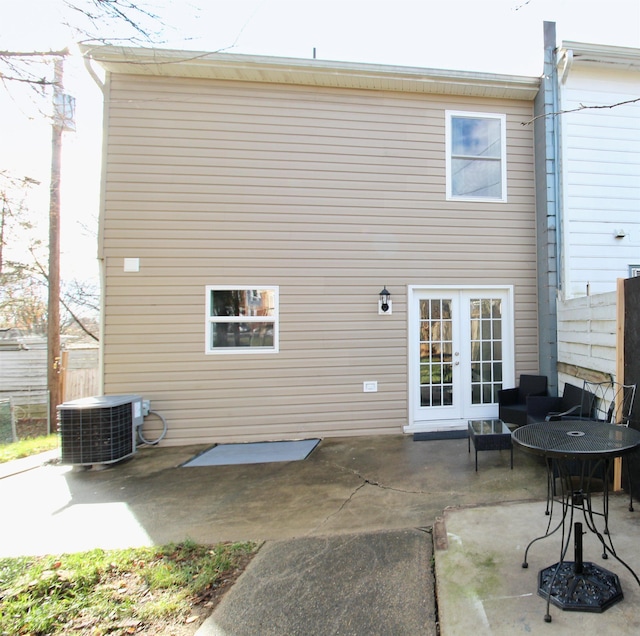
617	463
63	375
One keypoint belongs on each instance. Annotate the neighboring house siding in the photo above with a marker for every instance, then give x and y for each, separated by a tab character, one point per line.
601	178
329	194
24	370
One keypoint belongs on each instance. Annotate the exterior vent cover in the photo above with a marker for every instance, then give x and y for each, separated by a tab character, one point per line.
99	430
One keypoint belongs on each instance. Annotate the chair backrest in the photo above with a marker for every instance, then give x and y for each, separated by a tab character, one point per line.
531	385
612	401
573	396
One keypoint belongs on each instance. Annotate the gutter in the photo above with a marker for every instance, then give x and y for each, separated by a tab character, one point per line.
621	57
92	73
312	72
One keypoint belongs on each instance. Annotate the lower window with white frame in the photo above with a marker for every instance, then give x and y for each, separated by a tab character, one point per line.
241	319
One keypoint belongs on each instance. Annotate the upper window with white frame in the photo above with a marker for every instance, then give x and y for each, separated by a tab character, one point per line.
241	319
476	156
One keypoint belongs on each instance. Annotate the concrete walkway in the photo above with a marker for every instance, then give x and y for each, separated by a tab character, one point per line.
349	548
348	584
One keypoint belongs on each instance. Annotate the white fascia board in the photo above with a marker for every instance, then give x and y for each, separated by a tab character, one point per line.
624	58
252	68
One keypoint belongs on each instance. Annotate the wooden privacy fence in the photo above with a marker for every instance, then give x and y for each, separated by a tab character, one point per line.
23	386
79	373
25	371
599	340
587	338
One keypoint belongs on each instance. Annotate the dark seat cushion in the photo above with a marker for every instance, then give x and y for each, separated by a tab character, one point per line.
513	414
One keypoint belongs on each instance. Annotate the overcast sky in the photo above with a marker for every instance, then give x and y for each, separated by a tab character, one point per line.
496	36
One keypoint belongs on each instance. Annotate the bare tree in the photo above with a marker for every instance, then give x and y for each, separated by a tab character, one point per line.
85	20
12	209
22	292
24	279
582	107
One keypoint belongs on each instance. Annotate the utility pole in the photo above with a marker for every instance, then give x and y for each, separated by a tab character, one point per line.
62	120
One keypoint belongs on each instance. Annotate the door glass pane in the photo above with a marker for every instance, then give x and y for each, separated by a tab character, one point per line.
486	349
436	346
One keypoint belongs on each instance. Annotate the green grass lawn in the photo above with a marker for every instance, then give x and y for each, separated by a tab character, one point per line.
26	447
159	590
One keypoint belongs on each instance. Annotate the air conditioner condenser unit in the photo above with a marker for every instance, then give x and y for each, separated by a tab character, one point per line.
99	430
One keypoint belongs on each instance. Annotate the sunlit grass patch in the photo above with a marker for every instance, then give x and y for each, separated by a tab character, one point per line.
100	592
27	447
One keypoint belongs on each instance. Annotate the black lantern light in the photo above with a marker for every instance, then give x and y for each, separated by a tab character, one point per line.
384	304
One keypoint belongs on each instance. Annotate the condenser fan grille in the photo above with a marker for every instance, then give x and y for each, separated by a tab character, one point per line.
96	435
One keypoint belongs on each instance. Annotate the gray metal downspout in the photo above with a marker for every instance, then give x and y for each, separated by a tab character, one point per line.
556	119
547	210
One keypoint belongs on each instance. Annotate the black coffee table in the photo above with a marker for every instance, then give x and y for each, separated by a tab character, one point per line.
490	434
577	585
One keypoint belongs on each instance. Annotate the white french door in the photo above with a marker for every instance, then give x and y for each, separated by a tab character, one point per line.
461	354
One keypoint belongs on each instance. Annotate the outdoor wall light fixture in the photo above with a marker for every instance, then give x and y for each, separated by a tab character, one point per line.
384	304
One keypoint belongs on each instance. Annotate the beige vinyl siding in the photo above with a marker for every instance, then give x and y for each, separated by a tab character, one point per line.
329	194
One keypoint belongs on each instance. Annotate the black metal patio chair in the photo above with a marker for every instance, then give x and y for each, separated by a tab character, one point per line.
607	402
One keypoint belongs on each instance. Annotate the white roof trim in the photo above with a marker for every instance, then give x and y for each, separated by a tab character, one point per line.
602	55
252	68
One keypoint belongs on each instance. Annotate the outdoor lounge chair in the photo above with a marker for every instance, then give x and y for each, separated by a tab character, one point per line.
512	403
574	403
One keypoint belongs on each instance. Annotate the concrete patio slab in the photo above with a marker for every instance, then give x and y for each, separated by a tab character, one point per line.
483	589
347	532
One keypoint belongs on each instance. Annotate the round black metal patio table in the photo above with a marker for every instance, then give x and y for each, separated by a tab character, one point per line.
592	446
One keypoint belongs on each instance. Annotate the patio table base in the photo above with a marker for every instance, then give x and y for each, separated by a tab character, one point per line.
593	589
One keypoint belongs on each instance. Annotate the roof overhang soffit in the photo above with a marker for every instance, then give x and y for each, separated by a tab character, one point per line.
249	68
599	55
